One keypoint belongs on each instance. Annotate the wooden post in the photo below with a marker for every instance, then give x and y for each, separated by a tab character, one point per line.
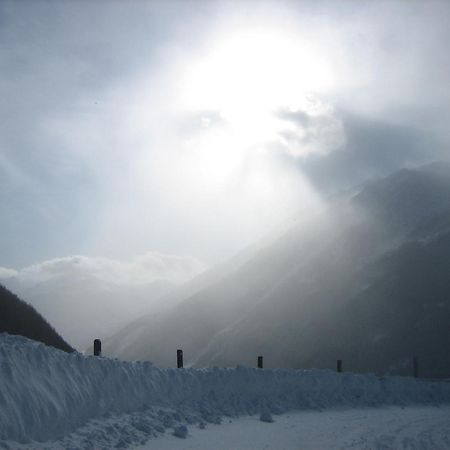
180	359
260	362
97	347
339	365
415	367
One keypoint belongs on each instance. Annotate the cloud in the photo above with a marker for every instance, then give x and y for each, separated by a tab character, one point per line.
315	130
6	273
373	148
142	269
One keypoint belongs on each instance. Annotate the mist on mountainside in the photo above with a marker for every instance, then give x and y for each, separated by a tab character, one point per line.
364	281
87	298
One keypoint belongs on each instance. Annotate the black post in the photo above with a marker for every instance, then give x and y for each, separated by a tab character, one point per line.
260	362
339	365
97	347
179	359
415	367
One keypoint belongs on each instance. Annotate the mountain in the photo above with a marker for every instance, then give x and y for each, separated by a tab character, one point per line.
322	290
403	311
18	317
407	198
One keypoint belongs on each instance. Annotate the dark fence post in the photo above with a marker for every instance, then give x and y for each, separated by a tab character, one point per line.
260	362
97	347
415	367
179	359
339	365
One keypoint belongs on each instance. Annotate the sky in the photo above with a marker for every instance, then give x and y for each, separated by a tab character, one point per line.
187	130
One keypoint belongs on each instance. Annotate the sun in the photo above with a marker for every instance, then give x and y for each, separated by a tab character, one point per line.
248	75
245	78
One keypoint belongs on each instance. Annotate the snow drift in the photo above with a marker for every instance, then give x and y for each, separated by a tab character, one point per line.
46	394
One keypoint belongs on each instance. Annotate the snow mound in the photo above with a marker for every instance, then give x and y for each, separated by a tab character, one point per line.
266	417
46	394
181	431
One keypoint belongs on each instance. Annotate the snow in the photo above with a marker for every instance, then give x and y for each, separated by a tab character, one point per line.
266	417
51	399
180	431
420	428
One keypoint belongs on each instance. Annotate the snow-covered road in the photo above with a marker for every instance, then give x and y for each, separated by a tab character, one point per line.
395	428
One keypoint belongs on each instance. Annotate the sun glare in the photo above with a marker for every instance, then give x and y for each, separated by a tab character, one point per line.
249	75
245	79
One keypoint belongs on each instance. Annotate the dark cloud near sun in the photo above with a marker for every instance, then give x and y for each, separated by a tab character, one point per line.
317	131
373	148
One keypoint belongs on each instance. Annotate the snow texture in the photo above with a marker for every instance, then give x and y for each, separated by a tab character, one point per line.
266	417
75	401
181	431
383	428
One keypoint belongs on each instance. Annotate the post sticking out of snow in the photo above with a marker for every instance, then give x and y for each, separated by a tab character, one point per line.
97	347
260	362
415	367
180	359
339	365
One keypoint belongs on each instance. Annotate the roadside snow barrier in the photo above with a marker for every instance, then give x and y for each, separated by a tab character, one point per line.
46	393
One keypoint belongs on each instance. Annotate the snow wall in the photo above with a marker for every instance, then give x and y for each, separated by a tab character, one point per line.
46	393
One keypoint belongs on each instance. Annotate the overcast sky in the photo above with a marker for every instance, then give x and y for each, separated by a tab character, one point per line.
193	128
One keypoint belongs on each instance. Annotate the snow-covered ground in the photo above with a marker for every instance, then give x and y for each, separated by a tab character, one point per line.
50	399
413	427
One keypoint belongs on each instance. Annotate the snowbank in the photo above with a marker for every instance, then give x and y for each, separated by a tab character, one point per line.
46	393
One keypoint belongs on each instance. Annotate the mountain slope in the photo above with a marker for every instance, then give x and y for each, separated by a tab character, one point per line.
18	317
404	311
296	301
